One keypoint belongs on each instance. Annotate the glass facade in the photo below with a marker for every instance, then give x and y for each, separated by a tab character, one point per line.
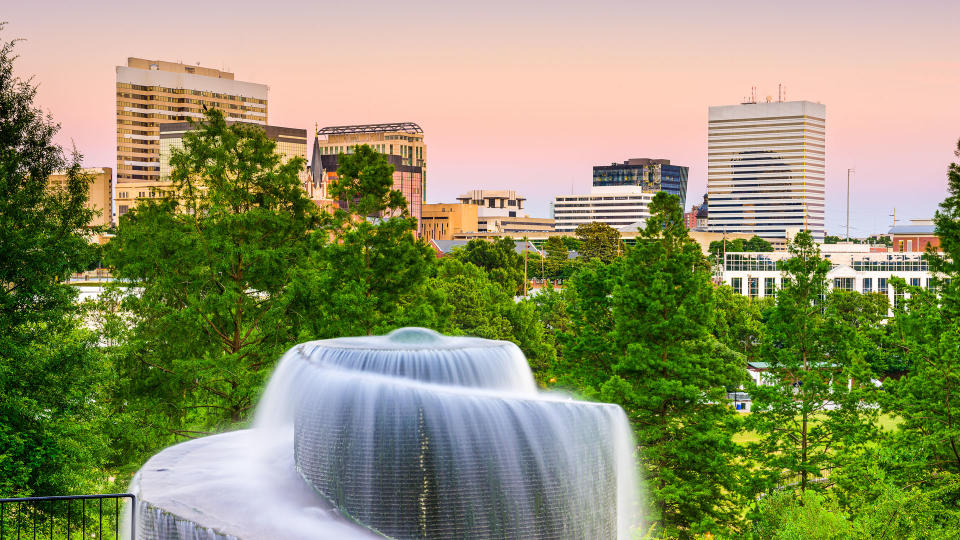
769	286
843	284
652	177
739	262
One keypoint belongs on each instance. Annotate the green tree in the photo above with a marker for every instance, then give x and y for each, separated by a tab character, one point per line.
757	244
362	275
556	257
211	260
813	411
499	258
600	241
362	278
50	372
674	377
587	349
467	301
718	247
361	183
738	322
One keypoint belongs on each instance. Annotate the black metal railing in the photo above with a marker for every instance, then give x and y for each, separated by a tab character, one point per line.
66	516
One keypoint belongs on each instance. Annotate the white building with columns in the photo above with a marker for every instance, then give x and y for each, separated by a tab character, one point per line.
759	275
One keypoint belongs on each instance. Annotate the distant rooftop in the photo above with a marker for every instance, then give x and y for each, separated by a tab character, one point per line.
916	226
405	127
913	229
447	246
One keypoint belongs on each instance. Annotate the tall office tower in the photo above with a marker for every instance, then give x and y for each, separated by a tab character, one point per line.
403	139
765	168
652	175
153	92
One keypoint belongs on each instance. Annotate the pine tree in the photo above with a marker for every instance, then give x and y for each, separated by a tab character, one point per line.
812	410
674	377
50	371
927	331
212	260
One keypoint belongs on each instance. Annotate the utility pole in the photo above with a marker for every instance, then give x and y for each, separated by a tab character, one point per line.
848	201
524	266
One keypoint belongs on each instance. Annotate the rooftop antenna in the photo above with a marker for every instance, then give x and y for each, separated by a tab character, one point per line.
894	216
780	92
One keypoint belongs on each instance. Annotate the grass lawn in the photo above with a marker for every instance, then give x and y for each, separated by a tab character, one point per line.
886	422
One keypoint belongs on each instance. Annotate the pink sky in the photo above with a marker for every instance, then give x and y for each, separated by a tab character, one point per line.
531	96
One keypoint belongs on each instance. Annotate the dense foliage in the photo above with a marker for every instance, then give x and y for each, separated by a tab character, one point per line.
50	372
854	430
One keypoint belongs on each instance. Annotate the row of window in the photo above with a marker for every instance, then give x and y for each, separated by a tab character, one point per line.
217	95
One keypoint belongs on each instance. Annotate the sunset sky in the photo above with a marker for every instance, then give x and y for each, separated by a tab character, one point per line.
530	95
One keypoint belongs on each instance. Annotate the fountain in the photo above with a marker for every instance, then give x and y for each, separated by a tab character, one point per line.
408	435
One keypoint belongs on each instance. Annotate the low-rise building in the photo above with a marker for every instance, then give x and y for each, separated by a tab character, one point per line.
759	275
443	221
501	212
915	236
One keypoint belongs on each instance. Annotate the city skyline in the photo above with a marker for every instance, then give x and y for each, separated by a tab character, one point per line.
529	99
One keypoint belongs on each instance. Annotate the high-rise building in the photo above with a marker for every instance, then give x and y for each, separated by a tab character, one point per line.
403	139
765	168
154	92
99	196
652	175
291	143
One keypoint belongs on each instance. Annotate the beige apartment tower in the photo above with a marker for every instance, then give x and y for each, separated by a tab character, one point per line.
154	92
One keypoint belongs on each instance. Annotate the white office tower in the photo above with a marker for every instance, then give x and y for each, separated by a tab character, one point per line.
765	168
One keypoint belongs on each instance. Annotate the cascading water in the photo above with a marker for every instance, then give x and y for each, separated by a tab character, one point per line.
409	435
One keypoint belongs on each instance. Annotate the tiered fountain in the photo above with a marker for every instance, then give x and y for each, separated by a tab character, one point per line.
408	435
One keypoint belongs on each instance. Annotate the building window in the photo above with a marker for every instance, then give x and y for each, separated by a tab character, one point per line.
899	245
737	284
843	284
867	285
754	286
769	286
898	298
882	285
915	282
909	245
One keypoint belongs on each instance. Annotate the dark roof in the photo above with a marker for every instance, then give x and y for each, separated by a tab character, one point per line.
447	246
176	130
407	127
331	162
